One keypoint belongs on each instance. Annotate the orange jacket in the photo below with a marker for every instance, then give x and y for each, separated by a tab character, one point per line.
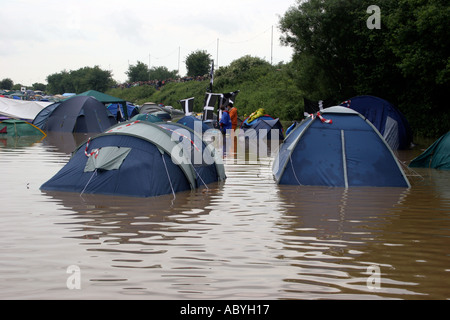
234	117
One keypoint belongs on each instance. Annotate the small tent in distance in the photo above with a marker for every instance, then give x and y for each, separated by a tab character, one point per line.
260	125
107	99
437	156
194	123
19	128
81	114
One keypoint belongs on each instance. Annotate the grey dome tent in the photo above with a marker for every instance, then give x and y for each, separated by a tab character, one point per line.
77	114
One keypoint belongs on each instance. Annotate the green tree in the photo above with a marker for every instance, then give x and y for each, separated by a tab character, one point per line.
406	61
138	72
198	63
78	81
421	44
57	82
162	73
39	86
332	46
6	84
239	70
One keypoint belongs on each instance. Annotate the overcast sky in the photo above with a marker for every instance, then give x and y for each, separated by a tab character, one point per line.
39	38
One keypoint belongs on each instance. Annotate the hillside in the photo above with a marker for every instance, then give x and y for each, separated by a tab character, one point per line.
260	85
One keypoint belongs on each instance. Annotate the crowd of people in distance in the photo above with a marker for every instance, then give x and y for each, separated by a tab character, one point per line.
159	83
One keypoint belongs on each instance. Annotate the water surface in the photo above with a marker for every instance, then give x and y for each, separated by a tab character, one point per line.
245	238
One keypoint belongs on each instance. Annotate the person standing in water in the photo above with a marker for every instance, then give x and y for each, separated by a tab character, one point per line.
232	111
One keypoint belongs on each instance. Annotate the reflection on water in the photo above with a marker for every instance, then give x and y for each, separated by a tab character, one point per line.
245	238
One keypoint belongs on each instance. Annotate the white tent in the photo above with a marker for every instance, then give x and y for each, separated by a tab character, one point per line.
20	109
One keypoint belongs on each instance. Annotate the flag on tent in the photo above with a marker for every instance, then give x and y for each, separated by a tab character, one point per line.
208	109
211	76
312	107
225	98
187	105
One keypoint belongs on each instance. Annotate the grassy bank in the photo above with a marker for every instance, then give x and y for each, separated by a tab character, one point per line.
260	85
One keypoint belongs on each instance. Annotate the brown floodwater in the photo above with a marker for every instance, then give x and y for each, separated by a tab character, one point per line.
245	238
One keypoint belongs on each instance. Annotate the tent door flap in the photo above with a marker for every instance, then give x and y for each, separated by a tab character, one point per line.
107	158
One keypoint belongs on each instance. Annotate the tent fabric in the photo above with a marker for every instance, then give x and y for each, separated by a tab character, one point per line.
164	113
194	123
102	97
115	108
19	109
106	99
41	118
19	128
146	117
82	114
343	149
107	158
389	121
150	107
262	127
139	159
436	156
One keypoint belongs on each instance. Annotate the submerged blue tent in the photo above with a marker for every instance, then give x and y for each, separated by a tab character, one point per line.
117	110
389	121
339	148
141	159
77	114
194	123
263	127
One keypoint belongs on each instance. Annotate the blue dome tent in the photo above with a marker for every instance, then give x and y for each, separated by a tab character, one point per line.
338	148
140	159
262	128
389	121
190	121
117	110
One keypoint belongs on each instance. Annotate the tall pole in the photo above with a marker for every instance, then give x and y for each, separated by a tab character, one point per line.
179	49
217	59
271	48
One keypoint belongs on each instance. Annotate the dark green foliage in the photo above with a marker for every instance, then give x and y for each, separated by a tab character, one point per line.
158	73
406	61
138	94
261	85
6	84
138	72
78	81
198	63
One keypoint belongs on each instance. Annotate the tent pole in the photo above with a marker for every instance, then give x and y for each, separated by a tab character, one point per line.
344	159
